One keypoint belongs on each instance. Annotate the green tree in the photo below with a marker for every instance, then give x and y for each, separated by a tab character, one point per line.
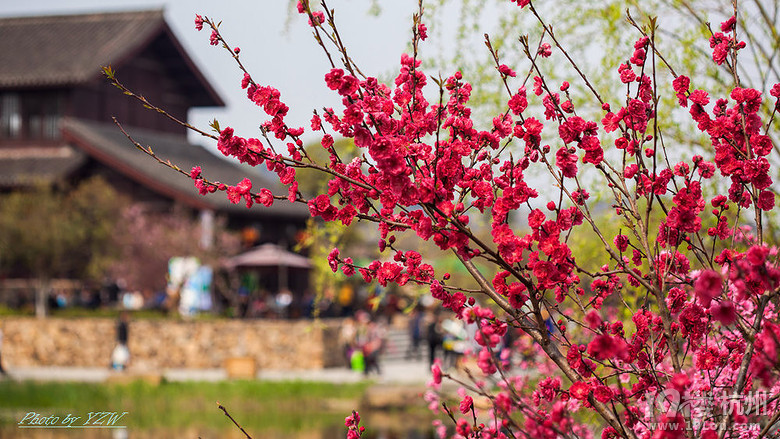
46	233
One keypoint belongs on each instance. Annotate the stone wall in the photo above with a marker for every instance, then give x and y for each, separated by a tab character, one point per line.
161	344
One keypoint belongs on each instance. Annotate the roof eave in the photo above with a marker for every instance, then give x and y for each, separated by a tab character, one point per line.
218	101
133	174
127	57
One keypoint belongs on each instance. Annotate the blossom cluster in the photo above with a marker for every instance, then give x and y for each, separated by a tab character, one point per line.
685	297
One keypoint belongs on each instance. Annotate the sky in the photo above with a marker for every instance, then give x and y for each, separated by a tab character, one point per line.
276	47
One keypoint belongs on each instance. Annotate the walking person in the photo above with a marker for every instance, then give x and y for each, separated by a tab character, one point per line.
374	346
347	339
415	333
435	336
120	357
3	373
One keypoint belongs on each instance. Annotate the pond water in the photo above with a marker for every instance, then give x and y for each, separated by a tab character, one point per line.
268	410
403	429
379	424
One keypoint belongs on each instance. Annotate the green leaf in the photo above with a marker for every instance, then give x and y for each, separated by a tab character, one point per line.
109	72
215	125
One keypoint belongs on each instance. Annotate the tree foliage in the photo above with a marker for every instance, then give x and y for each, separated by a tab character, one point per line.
597	32
46	232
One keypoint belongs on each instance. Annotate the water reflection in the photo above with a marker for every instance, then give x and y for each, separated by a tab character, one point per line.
387	425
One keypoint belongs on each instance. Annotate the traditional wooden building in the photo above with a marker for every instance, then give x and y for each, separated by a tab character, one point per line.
56	109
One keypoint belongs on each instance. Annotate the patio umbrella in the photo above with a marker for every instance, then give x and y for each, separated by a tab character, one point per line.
270	255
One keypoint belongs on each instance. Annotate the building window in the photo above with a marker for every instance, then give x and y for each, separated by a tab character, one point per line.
30	116
10	116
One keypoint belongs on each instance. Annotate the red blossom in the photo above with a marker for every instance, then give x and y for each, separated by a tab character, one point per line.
681	85
466	404
317	18
621	242
518	103
766	200
728	25
333	259
627	75
605	347
422	31
693	321
675	300
506	71
545	50
265	197
724	312
603	393
707	286
579	390
436	372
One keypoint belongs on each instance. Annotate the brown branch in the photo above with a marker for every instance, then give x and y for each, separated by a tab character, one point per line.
224	410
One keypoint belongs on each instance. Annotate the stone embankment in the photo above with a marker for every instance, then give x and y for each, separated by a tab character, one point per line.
162	344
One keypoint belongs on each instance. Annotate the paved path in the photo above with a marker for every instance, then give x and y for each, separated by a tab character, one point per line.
397	372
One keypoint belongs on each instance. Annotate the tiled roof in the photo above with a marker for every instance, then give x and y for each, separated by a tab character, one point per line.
30	165
63	50
107	144
68	49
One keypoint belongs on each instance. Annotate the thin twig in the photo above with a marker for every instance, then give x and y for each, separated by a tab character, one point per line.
224	410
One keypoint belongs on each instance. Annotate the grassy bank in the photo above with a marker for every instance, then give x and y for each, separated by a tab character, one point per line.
258	406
